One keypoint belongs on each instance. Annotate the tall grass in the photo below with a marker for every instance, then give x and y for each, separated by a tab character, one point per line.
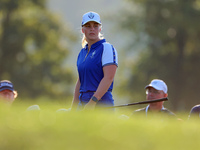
94	130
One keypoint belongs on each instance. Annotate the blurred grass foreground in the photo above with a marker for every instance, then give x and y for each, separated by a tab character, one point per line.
47	129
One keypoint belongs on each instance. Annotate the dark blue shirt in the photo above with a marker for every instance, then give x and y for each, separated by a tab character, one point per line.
90	65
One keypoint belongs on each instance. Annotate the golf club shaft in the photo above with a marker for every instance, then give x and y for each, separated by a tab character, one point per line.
142	102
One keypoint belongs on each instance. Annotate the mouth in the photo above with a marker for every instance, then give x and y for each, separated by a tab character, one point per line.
151	98
92	34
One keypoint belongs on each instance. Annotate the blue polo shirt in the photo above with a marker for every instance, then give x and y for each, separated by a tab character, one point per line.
90	65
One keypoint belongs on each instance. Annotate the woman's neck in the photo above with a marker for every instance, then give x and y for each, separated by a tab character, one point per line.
91	42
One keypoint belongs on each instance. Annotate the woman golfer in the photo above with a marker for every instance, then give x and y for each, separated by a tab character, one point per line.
97	64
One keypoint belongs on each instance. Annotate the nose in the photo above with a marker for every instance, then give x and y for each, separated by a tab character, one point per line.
6	95
92	28
150	93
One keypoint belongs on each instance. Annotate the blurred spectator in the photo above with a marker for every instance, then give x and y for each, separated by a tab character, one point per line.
195	112
33	108
7	92
157	89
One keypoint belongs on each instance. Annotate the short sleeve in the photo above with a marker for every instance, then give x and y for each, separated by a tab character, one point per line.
109	56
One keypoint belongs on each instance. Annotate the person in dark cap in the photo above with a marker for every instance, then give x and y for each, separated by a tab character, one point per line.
194	112
7	92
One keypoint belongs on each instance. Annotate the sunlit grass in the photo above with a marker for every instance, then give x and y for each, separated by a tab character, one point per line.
94	130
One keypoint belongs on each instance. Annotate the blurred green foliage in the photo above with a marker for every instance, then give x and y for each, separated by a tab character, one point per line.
34	46
165	44
49	130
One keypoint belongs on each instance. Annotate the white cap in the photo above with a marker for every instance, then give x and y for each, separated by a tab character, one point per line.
158	85
91	16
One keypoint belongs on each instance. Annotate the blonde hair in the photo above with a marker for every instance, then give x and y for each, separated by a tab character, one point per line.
84	42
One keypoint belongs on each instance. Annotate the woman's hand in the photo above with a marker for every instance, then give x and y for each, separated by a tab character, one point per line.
90	105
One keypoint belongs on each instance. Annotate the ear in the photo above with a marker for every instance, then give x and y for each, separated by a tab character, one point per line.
82	30
165	95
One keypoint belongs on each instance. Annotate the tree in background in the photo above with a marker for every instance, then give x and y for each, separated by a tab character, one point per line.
34	45
168	34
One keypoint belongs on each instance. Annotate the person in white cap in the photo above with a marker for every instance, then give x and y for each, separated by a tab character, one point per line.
96	64
7	92
157	89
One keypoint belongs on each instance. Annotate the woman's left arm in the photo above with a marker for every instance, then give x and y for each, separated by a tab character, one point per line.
109	73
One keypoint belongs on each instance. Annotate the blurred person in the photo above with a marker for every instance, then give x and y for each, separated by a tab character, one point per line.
63	110
33	108
7	92
194	112
157	89
97	64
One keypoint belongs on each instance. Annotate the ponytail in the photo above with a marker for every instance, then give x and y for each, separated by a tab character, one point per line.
84	42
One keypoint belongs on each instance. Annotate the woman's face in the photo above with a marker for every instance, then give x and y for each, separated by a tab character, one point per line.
91	31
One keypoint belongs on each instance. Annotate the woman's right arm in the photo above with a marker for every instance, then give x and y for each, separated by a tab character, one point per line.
76	96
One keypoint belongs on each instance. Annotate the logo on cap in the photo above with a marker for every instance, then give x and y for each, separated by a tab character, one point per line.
91	15
6	85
